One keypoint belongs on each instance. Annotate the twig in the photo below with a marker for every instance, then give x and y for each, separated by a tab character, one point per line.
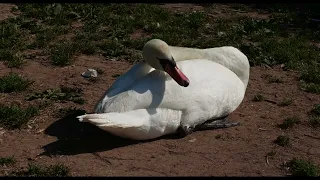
101	158
311	136
271	101
240	11
211	15
267	159
262	129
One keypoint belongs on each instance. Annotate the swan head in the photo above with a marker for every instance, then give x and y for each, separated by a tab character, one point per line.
157	54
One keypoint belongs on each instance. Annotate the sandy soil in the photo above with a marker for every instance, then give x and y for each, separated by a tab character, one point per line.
88	151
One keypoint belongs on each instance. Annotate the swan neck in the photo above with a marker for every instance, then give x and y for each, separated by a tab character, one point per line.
182	53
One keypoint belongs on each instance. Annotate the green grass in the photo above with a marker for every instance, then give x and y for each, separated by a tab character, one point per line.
311	87
310	77
59	94
258	97
218	136
13	82
12	41
63	112
316	110
275	80
12	58
282	140
314	119
6	161
271	154
99	70
61	54
34	170
290	122
13	116
285	102
107	28
46	34
116	75
300	167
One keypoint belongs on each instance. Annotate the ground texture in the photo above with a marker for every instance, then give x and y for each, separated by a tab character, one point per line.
88	151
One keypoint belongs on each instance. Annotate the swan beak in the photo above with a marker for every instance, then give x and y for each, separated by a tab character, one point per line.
176	74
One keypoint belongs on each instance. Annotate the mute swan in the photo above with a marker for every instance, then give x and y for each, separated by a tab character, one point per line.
198	89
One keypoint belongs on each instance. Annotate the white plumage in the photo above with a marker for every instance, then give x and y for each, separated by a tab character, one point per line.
146	103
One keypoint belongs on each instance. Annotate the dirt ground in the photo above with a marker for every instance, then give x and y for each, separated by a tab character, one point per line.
89	151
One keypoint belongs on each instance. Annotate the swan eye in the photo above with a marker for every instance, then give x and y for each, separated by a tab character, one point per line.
164	62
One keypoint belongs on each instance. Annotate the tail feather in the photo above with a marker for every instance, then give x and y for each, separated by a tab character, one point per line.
137	124
110	120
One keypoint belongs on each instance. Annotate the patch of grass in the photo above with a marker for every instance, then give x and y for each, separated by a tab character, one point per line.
44	35
314	121
275	80
13	116
112	48
10	34
11	58
34	170
85	47
289	51
116	75
311	87
316	110
310	77
59	94
62	53
258	97
99	71
311	73
218	136
67	111
290	122
13	83
270	42
282	140
6	161
108	28
271	154
285	102
300	167
272	79
12	41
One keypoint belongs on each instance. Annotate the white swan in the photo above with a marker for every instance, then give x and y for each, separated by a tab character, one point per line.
146	102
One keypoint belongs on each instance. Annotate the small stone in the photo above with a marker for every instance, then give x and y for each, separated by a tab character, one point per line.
40	131
90	73
220	33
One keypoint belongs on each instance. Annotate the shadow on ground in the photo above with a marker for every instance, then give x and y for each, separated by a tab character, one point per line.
76	137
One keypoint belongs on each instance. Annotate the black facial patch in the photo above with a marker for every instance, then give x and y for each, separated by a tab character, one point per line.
163	62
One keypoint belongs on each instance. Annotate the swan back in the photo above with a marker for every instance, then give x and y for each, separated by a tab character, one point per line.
233	59
230	57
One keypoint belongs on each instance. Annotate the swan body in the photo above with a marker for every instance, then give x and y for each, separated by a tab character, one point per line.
199	85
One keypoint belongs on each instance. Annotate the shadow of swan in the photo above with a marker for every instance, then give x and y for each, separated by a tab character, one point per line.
76	137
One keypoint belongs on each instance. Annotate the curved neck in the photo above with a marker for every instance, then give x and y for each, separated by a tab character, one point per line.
182	53
227	56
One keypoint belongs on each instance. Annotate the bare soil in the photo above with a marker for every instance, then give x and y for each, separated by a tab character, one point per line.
89	151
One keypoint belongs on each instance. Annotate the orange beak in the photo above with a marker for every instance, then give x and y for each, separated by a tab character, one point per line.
176	74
